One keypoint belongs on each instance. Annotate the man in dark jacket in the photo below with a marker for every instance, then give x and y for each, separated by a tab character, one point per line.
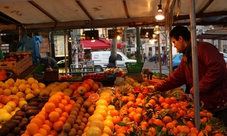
50	64
112	61
211	69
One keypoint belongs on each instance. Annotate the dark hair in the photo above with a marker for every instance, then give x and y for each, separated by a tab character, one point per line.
180	31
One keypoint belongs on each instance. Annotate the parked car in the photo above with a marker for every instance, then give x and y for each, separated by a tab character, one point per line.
175	61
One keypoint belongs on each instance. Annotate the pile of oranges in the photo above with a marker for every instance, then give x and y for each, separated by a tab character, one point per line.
52	117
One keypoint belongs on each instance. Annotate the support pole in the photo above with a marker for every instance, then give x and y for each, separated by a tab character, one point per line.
159	55
194	63
66	70
114	46
138	43
170	54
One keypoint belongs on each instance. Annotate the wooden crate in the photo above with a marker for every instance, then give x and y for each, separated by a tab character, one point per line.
17	67
136	76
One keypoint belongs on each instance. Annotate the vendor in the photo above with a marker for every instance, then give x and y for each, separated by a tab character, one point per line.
112	62
50	64
212	73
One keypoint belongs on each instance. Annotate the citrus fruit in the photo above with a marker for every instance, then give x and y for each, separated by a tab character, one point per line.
94	97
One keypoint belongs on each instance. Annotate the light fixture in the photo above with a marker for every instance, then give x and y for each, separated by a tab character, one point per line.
160	15
70	39
92	39
118	37
157	29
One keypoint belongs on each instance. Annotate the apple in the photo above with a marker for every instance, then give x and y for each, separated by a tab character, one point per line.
81	90
86	85
5	117
3	111
4	99
8	108
145	90
95	87
21	103
12	104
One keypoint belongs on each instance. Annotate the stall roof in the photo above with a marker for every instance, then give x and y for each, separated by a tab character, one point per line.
74	14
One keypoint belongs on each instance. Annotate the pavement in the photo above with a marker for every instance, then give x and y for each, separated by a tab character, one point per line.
154	67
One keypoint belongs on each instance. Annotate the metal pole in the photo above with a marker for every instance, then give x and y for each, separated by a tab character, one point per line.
194	63
170	54
159	55
66	71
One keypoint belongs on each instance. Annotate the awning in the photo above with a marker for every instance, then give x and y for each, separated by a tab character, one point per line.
94	45
119	45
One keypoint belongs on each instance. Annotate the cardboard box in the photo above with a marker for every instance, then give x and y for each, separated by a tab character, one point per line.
17	67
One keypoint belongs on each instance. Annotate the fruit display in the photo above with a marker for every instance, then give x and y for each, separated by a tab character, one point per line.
29	108
117	72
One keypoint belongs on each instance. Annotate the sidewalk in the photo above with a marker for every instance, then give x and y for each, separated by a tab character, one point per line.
155	67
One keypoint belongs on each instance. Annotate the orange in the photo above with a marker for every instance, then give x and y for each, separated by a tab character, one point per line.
158	122
161	99
58	125
32	128
97	123
53	132
166	119
37	121
116	119
137	117
47	128
41	117
93	131
49	123
101	111
94	97
54	100
64	102
68	108
170	125
96	117
65	114
67	98
62	118
54	116
109	123
72	102
43	131
59	110
111	107
106	97
37	134
49	107
61	106
114	113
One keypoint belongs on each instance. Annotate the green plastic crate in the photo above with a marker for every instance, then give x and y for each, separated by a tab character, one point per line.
134	67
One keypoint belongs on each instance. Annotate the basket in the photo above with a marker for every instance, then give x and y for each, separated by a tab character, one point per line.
134	67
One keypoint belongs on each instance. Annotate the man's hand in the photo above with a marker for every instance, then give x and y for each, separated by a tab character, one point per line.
151	88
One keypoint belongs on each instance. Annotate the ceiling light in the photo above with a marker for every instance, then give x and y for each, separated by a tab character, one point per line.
160	15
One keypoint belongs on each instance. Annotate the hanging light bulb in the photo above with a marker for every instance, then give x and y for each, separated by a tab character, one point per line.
160	15
157	29
118	37
92	39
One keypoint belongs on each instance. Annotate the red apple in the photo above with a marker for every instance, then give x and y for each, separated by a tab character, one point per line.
15	100
145	90
4	99
81	90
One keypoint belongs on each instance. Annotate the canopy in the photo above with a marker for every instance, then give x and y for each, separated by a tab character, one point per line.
94	45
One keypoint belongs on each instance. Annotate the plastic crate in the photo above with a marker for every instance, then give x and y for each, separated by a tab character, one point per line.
134	67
